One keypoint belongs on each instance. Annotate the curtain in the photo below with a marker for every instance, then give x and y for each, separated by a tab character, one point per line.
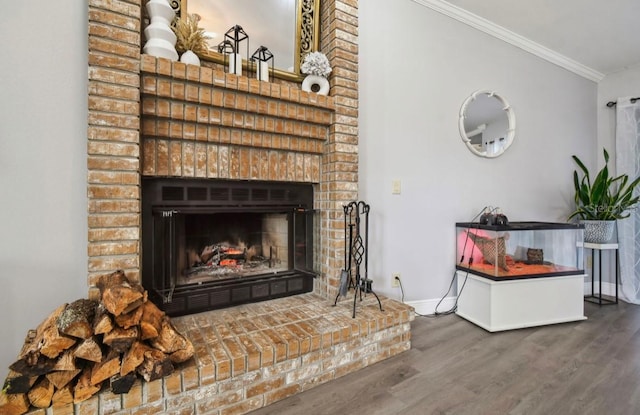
628	162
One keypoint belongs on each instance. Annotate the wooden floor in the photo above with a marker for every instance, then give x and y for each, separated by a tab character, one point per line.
455	367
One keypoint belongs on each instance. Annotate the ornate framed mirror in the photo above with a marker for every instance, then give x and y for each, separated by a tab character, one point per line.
487	124
289	28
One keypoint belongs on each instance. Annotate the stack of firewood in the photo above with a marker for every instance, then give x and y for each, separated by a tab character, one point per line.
86	345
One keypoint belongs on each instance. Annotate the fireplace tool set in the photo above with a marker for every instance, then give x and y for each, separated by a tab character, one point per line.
356	251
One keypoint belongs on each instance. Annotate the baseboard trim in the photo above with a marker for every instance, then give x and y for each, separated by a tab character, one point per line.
428	307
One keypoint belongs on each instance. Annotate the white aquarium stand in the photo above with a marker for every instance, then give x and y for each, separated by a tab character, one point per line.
515	304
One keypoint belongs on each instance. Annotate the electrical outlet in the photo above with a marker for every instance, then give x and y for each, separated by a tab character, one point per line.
395	280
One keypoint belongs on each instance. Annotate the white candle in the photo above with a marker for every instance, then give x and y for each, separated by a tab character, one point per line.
235	63
262	73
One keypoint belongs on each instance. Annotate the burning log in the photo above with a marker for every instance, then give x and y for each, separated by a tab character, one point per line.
207	253
220	255
118	339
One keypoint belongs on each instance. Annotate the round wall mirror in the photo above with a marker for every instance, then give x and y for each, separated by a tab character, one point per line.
487	124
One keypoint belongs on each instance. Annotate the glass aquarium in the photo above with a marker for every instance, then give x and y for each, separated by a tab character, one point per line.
520	249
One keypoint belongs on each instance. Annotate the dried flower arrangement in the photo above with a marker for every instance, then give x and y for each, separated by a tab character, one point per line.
316	63
189	35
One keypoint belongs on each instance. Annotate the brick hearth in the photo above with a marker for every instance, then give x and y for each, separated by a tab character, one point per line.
252	355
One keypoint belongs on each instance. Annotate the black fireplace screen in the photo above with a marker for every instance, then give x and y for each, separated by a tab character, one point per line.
211	243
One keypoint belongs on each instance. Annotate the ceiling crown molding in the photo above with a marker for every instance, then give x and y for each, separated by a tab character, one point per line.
508	36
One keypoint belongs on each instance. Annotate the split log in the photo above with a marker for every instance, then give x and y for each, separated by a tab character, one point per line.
55	343
84	389
17	383
155	365
66	362
151	321
62	397
77	319
64	371
122	298
122	384
89	350
133	358
45	340
169	340
42	366
108	367
120	339
63	378
184	354
126	320
14	404
41	394
102	323
115	278
119	295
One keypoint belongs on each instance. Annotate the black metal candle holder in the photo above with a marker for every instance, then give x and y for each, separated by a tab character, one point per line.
235	36
260	56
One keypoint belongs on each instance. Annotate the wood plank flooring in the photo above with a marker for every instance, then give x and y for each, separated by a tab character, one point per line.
455	367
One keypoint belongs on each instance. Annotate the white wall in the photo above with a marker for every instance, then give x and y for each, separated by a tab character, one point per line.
43	128
416	69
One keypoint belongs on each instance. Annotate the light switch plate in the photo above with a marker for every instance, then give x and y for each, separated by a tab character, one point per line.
396	187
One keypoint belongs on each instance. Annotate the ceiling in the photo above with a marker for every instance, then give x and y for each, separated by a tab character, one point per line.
603	36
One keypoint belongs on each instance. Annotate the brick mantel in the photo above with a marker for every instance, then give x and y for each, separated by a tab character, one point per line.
201	123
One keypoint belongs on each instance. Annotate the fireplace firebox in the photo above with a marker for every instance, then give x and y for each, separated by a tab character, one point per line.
209	244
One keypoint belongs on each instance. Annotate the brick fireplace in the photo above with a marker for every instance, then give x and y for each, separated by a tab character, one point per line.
152	118
155	118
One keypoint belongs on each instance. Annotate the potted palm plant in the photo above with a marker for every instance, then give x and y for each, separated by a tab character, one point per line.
601	202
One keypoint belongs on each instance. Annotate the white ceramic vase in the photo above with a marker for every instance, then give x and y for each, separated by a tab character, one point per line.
190	57
316	83
161	40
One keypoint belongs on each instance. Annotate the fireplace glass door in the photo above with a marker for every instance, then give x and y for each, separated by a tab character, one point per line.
205	254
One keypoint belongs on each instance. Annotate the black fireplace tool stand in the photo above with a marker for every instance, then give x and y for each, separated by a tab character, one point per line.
356	252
